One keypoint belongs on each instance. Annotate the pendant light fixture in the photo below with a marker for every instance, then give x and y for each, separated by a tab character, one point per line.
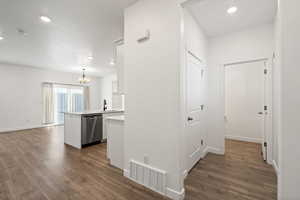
83	79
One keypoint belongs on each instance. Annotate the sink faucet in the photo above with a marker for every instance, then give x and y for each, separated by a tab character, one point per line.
104	105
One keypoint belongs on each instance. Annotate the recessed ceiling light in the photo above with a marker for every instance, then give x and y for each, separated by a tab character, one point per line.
45	19
232	10
1	38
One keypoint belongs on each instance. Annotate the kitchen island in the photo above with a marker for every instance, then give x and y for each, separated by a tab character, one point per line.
86	128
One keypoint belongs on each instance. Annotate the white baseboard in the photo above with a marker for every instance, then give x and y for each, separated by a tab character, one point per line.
215	150
203	155
126	173
8	130
195	157
275	166
244	139
205	152
175	195
185	174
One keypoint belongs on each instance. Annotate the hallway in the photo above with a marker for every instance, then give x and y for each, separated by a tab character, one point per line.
239	175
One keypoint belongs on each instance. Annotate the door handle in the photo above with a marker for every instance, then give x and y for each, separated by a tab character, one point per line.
260	113
190	119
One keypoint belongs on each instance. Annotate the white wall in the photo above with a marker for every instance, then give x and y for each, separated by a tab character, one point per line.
289	151
21	104
196	40
152	79
245	45
106	90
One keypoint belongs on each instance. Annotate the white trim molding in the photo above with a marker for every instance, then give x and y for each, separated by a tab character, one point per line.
126	173
244	139
185	174
275	166
172	194
205	152
215	150
10	130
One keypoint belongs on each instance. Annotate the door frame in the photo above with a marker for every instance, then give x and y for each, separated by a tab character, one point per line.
268	100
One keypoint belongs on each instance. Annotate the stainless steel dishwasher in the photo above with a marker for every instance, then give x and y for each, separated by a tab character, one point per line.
92	132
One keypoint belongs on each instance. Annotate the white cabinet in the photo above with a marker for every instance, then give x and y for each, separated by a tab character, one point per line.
120	68
105	116
115	140
72	130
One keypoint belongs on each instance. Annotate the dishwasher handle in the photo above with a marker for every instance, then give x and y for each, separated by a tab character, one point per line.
93	128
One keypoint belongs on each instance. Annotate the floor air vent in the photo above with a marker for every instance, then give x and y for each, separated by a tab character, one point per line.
148	176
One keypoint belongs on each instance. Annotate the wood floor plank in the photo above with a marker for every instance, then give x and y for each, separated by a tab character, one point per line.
240	174
36	165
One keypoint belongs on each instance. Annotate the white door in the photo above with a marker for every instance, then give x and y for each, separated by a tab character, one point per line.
244	102
194	110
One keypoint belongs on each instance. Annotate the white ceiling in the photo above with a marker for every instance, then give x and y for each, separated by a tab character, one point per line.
79	28
212	15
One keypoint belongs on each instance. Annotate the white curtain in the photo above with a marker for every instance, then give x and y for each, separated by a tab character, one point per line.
48	103
86	97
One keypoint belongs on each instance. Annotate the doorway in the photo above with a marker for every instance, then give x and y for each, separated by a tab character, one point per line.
245	102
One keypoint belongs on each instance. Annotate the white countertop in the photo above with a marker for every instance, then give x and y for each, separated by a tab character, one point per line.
116	118
89	112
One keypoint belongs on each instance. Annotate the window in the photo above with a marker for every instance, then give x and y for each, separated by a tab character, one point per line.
59	98
67	99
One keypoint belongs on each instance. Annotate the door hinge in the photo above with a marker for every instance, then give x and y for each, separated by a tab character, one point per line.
265	144
265	71
266	108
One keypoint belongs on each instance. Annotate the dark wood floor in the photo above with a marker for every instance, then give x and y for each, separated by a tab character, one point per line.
239	175
36	165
